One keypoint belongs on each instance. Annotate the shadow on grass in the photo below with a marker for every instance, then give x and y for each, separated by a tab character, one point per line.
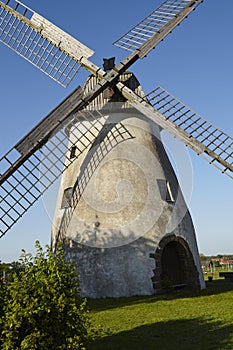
185	334
212	288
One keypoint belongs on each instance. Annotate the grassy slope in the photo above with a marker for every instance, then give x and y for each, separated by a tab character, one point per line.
185	320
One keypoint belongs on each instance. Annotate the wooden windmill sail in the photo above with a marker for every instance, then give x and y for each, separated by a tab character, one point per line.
60	56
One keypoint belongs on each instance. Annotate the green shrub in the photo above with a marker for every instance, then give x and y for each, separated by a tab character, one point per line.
43	309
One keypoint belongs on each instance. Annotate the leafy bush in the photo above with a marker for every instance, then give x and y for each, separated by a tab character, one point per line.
43	309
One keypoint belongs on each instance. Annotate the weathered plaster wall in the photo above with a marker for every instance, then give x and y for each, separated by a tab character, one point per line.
123	209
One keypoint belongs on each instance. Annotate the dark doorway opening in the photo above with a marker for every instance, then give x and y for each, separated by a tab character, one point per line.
174	263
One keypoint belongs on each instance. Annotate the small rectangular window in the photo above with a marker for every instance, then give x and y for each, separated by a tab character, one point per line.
73	152
66	199
165	191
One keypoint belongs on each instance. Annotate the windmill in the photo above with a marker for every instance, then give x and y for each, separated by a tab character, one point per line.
60	56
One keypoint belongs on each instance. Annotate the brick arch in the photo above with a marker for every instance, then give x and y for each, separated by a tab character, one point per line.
174	260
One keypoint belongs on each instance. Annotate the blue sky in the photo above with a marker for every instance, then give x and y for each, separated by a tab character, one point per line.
194	63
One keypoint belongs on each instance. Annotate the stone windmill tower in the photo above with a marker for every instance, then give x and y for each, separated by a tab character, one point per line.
120	212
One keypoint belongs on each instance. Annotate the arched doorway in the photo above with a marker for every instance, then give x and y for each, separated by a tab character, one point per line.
174	263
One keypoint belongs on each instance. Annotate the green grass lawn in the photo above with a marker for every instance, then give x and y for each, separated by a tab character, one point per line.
178	321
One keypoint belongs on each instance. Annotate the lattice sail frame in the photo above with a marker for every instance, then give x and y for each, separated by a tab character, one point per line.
42	168
40	42
143	36
218	146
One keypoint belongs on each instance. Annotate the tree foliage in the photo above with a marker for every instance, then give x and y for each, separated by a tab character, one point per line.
43	309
